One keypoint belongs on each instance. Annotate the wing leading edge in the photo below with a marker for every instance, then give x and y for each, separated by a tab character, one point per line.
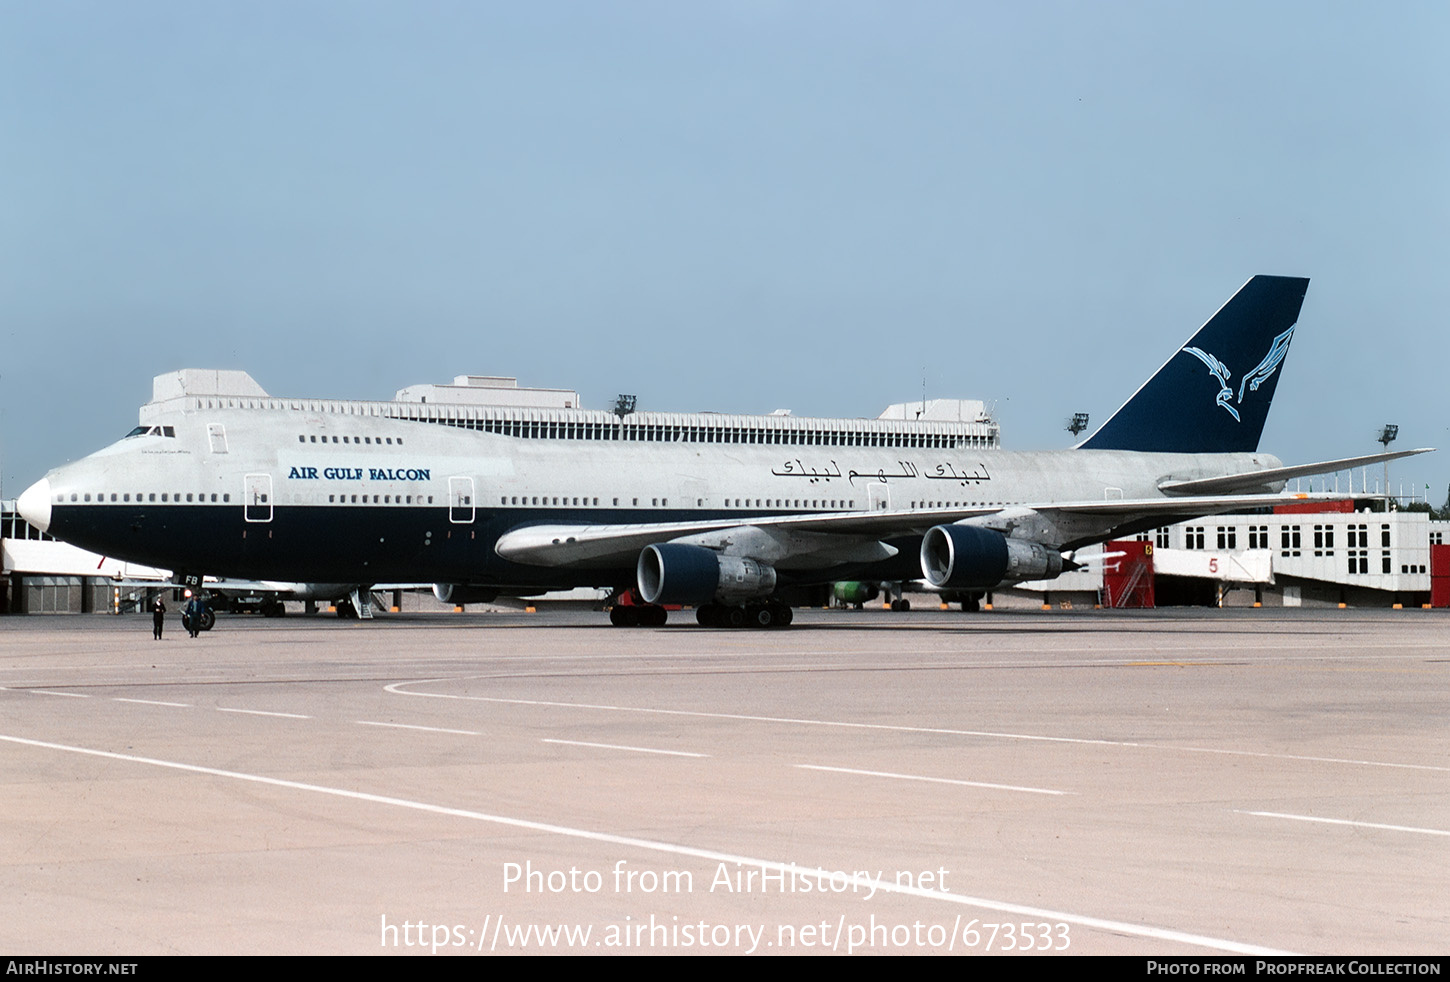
858	536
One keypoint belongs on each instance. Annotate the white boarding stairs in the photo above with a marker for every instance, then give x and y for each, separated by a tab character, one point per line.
362	602
1130	588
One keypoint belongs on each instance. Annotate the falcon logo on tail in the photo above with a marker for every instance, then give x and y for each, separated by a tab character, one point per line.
1252	380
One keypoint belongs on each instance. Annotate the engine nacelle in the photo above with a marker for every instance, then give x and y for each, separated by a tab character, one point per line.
966	557
672	573
459	594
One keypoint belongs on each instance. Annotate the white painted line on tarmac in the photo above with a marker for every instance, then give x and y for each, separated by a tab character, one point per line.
709	855
47	692
154	702
1308	759
396	689
413	726
934	780
1345	821
261	712
615	746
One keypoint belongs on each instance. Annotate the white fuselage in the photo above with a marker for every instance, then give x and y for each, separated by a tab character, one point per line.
309	495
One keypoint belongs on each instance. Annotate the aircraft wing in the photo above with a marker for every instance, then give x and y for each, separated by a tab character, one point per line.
856	536
605	545
1251	480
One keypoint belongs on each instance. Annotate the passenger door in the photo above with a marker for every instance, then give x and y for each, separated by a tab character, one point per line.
879	496
460	500
257	497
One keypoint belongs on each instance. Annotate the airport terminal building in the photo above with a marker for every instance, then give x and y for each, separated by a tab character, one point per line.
1336	555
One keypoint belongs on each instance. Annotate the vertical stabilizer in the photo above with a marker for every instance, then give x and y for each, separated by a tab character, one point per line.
1213	395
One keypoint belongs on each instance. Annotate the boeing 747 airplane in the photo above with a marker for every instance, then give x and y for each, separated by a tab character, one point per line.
723	513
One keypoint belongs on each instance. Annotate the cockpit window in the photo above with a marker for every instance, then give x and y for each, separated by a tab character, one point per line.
151	431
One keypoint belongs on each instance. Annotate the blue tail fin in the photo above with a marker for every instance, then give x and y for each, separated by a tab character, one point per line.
1213	394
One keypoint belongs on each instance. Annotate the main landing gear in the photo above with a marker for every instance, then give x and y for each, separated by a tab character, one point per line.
766	614
638	615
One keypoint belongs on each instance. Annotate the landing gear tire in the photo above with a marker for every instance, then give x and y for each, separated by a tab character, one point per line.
632	615
346	610
901	605
274	608
972	605
769	614
208	619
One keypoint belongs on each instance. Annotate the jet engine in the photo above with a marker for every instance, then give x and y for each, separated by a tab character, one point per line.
672	573
967	557
459	594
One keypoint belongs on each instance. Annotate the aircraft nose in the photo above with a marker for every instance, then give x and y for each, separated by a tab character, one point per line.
34	504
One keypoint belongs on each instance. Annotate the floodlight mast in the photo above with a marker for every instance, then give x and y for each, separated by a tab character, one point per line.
1077	424
1386	437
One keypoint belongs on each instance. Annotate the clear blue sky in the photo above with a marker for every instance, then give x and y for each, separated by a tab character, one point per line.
731	206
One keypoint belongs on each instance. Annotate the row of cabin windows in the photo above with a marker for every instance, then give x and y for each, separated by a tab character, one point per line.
961	504
506	500
178	497
380	440
544	500
832	503
166	497
380	499
258	499
670	433
464	500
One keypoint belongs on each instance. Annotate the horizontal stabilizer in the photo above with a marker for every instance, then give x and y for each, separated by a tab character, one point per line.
1265	479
